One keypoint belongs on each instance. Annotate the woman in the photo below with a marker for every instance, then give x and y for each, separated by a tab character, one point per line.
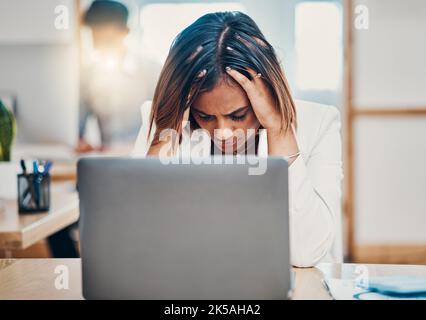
223	76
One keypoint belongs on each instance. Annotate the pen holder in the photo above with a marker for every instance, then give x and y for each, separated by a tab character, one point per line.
33	193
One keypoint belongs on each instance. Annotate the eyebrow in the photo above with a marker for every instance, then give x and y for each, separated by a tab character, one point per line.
226	115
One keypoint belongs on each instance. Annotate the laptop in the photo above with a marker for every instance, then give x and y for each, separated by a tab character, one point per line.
183	231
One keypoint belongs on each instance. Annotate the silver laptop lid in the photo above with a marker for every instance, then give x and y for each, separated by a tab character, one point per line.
208	231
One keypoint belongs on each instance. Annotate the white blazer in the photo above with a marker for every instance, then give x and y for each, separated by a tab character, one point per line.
314	181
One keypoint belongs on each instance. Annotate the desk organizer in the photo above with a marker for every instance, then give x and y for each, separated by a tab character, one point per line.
33	193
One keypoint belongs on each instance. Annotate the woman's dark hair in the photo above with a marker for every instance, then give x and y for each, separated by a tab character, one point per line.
197	61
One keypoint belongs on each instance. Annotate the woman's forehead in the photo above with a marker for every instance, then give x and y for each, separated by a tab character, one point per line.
223	99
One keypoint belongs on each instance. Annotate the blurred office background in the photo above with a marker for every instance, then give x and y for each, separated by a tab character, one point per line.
365	57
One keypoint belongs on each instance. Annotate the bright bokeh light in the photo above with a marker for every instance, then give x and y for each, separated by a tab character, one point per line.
318	37
162	22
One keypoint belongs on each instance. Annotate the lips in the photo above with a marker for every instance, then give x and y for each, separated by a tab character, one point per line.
225	145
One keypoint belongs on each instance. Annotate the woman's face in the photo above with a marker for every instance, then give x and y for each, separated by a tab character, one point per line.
225	112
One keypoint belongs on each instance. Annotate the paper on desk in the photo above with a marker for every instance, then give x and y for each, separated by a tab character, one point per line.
348	290
342	289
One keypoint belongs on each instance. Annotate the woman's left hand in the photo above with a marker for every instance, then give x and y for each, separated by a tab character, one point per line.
280	143
260	99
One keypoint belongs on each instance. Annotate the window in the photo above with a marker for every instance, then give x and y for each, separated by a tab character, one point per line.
319	45
162	22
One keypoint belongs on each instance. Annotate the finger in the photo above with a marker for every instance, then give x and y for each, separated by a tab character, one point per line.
241	79
253	92
257	79
256	76
258	83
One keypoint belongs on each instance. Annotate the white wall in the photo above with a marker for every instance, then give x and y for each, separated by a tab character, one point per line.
39	65
390	153
29	21
390	61
390	176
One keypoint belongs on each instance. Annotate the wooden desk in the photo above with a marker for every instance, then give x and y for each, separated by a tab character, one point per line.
64	171
19	231
35	278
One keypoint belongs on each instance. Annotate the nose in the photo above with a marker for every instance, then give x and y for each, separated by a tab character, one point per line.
223	133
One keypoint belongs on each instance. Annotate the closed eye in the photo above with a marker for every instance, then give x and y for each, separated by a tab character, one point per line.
205	117
239	114
238	117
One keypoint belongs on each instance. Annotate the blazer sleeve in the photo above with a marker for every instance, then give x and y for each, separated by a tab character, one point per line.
315	195
142	143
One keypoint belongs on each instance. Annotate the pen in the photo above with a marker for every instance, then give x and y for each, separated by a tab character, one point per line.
35	167
47	167
23	166
36	183
28	191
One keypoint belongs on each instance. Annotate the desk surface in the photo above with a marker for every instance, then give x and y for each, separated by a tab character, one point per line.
19	231
35	278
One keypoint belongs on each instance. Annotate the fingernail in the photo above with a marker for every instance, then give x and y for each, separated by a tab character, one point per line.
228	68
202	73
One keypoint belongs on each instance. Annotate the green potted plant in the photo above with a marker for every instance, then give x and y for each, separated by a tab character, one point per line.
8	169
7	132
